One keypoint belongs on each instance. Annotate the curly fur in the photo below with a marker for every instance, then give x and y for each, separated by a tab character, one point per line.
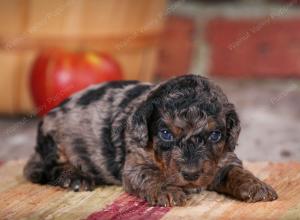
109	134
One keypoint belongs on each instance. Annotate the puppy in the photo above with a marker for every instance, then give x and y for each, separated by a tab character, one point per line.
159	141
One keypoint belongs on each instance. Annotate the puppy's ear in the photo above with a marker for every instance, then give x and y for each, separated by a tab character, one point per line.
137	132
233	127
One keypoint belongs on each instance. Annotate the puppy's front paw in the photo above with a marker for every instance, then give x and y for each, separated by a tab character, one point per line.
74	181
254	191
166	196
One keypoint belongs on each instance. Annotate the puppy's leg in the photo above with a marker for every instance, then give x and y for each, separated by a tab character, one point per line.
234	180
57	174
67	176
34	169
147	182
47	167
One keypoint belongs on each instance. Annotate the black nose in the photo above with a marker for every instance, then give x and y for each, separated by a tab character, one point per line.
190	176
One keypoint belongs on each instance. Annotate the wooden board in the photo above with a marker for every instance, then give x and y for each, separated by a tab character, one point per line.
23	200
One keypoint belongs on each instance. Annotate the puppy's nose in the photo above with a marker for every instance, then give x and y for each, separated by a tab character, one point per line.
190	176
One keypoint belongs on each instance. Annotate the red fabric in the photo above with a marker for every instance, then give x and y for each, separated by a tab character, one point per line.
130	208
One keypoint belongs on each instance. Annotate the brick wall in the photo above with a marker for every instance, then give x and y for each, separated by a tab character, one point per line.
245	39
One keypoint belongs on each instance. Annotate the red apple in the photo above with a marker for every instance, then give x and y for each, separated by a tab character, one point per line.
57	74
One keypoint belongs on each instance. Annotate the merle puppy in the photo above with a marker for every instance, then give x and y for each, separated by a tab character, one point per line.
159	141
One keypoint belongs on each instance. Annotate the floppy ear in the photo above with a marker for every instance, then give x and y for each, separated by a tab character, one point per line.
137	132
233	127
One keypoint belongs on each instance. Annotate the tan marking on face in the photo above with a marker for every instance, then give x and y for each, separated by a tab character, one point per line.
180	123
159	162
208	167
154	157
211	124
174	128
220	148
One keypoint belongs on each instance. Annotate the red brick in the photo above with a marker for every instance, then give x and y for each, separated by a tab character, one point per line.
246	48
176	48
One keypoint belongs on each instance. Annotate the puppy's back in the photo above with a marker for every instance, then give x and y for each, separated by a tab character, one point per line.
86	132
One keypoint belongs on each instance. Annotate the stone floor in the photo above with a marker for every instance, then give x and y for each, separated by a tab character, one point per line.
270	116
269	111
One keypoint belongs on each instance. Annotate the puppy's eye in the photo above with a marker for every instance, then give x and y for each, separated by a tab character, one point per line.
215	136
165	135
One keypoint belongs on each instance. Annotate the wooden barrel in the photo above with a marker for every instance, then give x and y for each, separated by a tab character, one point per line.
127	29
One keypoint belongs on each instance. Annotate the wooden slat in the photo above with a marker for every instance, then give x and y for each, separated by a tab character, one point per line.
108	43
12	17
8	92
25	102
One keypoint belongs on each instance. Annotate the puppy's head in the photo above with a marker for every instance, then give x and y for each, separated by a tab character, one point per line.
187	123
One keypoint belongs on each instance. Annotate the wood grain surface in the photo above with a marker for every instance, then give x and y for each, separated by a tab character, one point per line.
23	200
